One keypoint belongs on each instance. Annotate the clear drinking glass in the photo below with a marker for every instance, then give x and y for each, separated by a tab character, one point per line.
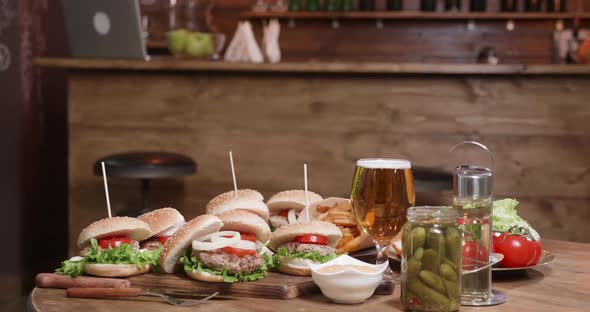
382	191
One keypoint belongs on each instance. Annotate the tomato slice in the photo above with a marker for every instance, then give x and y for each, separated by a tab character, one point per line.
163	239
311	239
238	252
248	237
284	213
113	241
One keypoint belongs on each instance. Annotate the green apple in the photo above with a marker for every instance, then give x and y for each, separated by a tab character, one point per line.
196	46
177	41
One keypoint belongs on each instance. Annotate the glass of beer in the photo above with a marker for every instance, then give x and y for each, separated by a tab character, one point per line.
382	192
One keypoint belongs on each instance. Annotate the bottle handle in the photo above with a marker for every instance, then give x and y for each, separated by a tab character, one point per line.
480	145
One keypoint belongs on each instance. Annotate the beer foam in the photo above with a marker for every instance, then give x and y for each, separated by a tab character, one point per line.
384	163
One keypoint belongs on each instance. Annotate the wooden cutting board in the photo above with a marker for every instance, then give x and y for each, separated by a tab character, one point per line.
274	286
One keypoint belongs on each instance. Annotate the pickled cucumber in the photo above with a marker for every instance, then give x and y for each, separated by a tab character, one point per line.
431	261
418	254
453	240
414	268
447	272
433	280
451	264
415	239
453	289
429	296
435	239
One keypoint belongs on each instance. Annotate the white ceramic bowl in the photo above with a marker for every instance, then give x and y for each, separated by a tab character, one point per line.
348	286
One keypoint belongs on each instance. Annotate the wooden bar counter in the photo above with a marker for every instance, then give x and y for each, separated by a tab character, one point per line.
561	286
275	117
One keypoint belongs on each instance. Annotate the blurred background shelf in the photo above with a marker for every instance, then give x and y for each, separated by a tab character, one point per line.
413	15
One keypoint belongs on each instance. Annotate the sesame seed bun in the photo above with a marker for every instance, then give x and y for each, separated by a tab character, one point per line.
162	219
292	199
241	203
114	270
245	193
245	222
288	232
182	239
134	228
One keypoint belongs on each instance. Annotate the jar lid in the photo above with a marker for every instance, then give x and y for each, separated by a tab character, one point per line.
431	212
473	181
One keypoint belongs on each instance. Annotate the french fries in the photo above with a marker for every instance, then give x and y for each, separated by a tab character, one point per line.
341	215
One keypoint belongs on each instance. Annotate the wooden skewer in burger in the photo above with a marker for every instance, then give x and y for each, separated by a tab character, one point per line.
234	254
297	243
245	199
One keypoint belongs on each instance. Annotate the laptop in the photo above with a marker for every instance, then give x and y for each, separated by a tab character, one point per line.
105	29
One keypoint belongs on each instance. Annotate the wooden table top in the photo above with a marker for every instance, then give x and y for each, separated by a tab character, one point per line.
561	286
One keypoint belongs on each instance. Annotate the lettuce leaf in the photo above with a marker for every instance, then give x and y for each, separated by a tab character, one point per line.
71	268
122	254
505	217
312	255
191	263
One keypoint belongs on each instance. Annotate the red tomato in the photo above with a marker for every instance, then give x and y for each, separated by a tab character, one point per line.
311	239
163	239
248	237
284	213
518	250
238	251
113	241
474	255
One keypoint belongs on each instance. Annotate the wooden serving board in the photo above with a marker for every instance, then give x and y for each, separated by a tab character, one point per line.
273	286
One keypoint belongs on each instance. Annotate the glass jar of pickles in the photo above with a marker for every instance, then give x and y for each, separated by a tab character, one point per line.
431	260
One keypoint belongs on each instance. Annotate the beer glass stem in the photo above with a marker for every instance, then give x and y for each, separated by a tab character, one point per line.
381	255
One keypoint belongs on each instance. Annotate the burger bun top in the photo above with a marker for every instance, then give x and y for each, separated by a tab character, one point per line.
287	233
134	228
245	222
292	199
162	219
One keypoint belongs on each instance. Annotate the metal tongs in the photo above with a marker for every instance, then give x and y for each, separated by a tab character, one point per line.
117	293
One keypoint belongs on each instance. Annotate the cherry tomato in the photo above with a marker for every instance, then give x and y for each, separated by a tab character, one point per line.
113	241
284	213
238	251
518	250
474	255
311	239
163	239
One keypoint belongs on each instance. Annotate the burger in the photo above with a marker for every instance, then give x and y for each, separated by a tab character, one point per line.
284	207
230	255
295	244
163	222
247	200
110	248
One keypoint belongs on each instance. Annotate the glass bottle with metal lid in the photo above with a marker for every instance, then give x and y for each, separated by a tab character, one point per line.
431	260
473	199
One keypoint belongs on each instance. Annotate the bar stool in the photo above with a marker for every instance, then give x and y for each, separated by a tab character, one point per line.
428	179
146	166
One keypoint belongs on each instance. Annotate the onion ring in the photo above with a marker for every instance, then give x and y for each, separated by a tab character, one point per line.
216	240
291	217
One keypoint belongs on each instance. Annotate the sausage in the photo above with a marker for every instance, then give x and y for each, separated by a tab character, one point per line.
52	280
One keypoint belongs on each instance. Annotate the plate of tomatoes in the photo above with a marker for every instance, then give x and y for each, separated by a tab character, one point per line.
520	249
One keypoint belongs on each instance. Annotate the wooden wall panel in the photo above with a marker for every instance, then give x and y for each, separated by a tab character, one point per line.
537	128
